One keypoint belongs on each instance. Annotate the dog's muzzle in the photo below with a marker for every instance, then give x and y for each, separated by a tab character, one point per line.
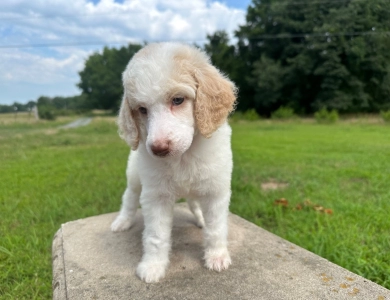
160	149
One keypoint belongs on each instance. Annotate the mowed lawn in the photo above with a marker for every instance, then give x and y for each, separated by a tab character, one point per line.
331	190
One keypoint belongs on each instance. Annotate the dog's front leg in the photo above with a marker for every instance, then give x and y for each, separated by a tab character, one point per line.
157	210
215	213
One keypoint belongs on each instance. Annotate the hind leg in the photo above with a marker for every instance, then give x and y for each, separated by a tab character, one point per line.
130	202
196	210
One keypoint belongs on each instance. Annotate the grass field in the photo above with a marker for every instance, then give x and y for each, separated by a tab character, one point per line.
331	193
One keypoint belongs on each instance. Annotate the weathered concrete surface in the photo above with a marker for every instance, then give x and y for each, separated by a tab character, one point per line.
91	262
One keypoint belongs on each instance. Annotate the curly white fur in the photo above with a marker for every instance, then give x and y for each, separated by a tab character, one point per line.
174	116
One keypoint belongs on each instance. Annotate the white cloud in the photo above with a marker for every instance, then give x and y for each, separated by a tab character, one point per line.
19	66
26	22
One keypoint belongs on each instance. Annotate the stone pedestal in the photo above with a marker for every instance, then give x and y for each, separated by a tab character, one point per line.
91	262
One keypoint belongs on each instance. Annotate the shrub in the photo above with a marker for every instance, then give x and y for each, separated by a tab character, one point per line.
249	115
385	115
283	113
46	112
325	116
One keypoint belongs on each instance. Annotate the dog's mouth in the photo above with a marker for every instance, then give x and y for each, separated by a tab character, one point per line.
161	153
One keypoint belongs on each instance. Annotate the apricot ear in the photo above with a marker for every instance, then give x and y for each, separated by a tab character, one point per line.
215	99
128	125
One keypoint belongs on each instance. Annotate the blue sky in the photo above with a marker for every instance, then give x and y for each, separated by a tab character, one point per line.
58	28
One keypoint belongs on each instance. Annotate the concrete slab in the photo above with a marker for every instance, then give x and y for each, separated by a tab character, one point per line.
91	262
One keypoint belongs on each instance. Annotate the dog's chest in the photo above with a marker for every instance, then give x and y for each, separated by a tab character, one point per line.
184	177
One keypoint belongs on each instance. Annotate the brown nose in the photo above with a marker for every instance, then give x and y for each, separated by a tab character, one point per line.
160	148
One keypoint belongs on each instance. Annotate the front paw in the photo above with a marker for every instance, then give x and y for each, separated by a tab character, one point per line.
217	260
150	271
121	224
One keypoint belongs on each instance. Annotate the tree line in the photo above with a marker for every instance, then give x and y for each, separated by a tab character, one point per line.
16	107
310	55
304	55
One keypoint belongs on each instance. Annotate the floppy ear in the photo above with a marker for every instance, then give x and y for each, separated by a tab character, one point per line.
215	99
128	126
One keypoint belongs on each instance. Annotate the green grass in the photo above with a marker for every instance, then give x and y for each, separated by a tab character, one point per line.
345	168
50	176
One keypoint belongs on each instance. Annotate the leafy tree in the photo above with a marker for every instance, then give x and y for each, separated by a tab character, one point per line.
49	108
101	79
221	53
44	101
19	107
227	59
6	108
314	54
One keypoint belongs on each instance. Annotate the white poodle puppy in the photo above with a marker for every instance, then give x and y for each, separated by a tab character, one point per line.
174	116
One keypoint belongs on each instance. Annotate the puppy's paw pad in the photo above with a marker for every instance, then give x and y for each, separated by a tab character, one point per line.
121	224
218	262
150	272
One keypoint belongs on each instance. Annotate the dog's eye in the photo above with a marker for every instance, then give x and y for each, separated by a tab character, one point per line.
177	100
143	110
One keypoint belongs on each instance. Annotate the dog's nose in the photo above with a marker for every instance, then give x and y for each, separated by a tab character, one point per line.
160	148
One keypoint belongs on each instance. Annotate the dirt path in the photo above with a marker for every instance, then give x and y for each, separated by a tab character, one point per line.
77	123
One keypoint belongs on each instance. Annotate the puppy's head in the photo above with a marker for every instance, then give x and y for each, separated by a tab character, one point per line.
171	92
